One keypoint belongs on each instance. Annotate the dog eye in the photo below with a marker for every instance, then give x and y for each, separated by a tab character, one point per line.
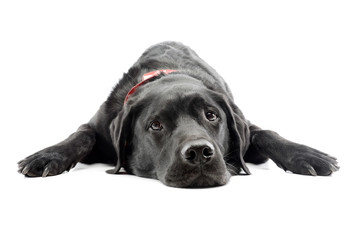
211	116
156	126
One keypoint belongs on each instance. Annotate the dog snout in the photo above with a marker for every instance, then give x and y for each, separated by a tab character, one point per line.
198	152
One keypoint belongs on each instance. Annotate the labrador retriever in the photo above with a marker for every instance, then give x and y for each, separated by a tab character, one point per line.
172	117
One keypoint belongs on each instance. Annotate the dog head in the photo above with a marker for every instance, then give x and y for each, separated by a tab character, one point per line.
181	132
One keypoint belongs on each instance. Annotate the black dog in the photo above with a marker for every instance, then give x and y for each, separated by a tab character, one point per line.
172	118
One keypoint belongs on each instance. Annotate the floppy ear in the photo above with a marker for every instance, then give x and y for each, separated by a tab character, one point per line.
120	132
239	134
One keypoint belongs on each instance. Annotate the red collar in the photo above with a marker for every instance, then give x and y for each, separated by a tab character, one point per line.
146	77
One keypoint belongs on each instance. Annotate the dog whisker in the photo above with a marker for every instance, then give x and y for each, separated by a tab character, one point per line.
231	168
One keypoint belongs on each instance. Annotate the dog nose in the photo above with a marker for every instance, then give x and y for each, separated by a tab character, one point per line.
198	152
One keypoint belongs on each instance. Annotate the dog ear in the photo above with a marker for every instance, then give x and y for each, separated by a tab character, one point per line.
238	131
120	132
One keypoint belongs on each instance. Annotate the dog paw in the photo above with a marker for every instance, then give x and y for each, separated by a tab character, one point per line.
44	163
309	161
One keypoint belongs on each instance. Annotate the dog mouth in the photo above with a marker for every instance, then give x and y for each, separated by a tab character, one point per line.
207	182
196	178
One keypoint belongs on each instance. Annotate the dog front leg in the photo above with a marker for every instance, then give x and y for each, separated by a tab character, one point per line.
60	157
291	156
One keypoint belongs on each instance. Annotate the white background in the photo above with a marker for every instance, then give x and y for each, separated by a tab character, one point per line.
293	67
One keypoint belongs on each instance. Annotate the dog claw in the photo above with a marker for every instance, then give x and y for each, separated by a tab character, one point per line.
25	170
71	166
334	168
312	171
46	172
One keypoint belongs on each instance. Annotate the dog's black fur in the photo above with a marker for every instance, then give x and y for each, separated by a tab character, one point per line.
182	128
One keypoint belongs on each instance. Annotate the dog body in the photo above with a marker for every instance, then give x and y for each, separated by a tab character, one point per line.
172	117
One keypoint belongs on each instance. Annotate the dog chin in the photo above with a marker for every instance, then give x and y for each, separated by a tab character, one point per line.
200	181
